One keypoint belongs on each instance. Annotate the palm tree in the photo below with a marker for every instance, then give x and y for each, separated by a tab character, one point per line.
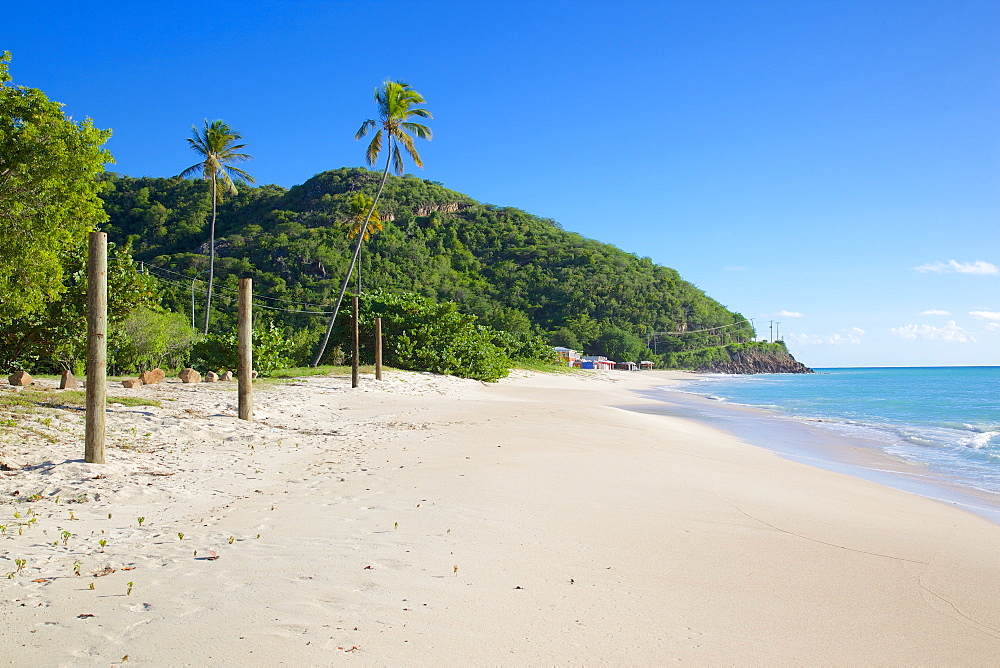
358	206
216	144
397	104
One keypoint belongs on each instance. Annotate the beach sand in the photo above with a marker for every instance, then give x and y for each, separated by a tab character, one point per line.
428	520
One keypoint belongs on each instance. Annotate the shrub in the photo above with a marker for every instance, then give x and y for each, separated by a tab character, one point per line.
220	351
148	339
423	335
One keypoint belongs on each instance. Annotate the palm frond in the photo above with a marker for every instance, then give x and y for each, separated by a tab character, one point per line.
374	148
397	160
238	172
365	127
192	170
421	131
407	142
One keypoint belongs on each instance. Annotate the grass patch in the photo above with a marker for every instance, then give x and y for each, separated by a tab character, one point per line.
28	398
544	367
326	370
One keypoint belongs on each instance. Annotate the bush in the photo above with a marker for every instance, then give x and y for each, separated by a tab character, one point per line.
148	339
220	351
423	335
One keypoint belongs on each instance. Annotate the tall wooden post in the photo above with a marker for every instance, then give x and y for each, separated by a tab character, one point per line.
378	348
245	350
97	347
354	345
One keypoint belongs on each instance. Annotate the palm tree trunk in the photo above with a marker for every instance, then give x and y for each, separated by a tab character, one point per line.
357	252
211	257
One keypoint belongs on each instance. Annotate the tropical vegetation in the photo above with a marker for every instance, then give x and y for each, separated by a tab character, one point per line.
462	287
217	145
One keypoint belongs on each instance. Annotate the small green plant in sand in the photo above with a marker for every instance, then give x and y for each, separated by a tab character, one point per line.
102	543
180	536
71	515
91	587
65	537
3	528
20	563
76	568
141	520
395	525
232	539
128	592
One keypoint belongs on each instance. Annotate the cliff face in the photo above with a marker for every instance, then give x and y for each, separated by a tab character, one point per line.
756	361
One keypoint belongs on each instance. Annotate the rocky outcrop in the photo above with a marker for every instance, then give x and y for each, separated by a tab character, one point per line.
756	361
450	207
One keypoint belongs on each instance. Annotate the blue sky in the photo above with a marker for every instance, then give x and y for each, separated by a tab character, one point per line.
832	166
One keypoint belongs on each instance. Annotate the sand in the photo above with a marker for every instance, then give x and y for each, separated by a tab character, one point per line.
427	520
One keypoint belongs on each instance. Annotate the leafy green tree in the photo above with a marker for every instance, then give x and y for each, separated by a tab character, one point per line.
216	144
48	196
363	215
397	105
55	338
621	345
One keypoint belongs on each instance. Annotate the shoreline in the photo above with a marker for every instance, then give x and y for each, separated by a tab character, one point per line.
811	441
427	520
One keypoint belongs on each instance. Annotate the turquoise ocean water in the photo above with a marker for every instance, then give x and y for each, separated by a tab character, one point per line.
945	421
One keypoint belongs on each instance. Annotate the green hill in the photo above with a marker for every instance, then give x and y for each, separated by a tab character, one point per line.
515	271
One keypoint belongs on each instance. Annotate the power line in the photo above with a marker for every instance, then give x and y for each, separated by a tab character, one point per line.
283	309
277	299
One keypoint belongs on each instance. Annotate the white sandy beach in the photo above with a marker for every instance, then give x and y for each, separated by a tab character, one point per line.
427	520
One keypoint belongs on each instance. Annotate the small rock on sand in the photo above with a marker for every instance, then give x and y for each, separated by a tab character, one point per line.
20	379
152	377
131	383
68	381
226	376
211	377
189	375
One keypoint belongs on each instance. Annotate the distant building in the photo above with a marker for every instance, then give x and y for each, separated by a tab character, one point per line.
646	365
599	362
627	366
568	356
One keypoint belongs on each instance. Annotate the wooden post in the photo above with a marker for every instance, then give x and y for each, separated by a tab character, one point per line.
245	353
354	345
97	347
378	348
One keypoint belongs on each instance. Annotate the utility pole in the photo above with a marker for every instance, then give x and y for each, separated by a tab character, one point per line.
772	330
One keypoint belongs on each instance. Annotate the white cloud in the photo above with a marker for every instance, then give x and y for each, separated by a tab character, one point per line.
993	326
986	315
955	267
950	332
788	314
935	311
850	336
